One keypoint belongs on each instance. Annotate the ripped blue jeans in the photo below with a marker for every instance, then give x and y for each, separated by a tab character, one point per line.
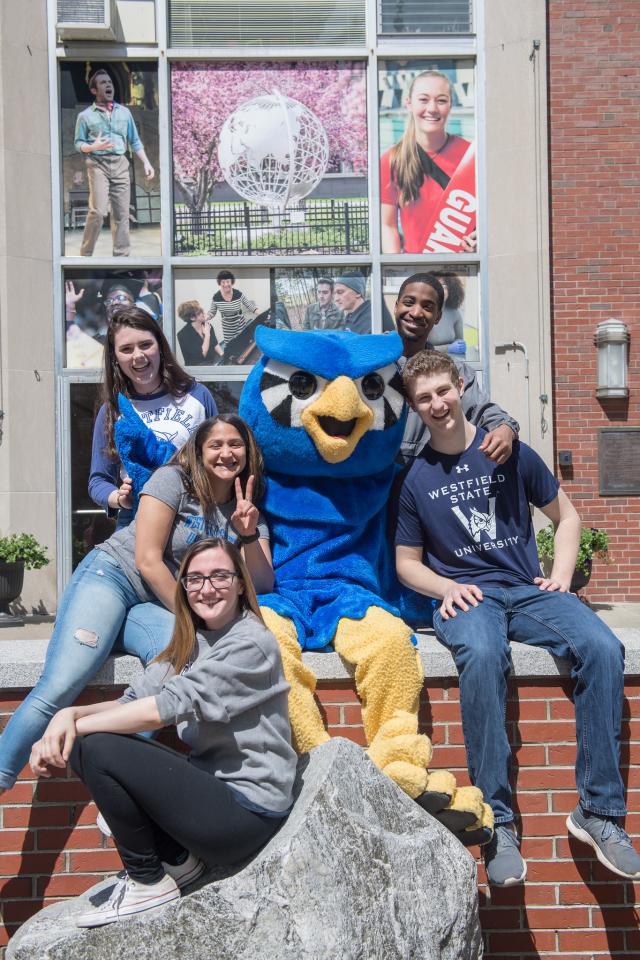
99	614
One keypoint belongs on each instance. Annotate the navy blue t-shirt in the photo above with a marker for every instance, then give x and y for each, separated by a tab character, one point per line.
472	517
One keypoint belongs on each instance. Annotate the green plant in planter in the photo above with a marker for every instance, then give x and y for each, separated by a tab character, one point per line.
19	552
23	547
593	543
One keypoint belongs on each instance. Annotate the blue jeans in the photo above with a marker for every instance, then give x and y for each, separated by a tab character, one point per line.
559	622
100	613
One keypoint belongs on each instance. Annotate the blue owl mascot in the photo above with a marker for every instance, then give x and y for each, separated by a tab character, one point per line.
328	411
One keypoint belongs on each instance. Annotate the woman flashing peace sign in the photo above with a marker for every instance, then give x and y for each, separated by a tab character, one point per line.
200	494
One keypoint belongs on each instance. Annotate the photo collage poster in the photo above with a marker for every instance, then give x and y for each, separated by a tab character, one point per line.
217	312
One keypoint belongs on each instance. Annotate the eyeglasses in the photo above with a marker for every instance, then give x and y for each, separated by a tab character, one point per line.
221	579
118	298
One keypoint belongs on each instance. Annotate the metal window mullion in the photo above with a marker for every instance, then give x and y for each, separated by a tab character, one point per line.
392	49
291	260
291	52
64	538
166	166
481	190
80	50
373	130
61	409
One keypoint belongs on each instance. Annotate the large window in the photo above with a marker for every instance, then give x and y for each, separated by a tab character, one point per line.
295	185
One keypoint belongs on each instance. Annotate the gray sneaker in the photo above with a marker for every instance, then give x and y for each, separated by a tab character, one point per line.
504	865
611	843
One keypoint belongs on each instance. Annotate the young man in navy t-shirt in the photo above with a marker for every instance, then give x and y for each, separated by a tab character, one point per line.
465	537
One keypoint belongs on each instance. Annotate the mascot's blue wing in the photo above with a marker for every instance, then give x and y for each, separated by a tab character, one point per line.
140	451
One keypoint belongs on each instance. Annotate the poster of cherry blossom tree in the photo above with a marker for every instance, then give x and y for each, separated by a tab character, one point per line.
269	157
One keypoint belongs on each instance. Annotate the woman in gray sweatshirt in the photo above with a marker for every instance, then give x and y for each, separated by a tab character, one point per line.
220	681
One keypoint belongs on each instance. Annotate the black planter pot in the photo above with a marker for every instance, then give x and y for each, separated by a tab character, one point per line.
11	580
580	579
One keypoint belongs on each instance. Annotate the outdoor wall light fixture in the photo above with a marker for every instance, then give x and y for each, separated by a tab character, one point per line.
612	340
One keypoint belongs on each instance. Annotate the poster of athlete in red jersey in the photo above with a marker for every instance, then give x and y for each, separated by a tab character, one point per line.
428	196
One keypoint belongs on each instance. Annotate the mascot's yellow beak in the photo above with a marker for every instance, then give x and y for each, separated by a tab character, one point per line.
337	420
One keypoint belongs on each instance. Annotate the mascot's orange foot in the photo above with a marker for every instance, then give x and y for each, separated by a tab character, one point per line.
404	755
460	809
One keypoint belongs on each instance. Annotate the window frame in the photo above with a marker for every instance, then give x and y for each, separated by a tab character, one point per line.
377	48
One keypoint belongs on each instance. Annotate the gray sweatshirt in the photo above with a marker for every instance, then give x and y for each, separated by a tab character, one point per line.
477	407
230	706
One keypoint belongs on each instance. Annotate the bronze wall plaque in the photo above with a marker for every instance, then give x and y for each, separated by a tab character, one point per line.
619	461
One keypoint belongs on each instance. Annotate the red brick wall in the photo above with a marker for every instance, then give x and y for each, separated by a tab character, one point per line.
570	907
594	129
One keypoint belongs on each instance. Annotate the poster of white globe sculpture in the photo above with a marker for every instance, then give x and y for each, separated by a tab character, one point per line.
269	158
273	150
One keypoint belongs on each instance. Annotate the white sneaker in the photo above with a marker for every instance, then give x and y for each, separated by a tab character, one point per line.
187	872
128	898
103	826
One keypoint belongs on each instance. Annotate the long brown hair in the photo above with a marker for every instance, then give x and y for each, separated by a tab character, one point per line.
175	380
183	639
189	459
405	166
455	288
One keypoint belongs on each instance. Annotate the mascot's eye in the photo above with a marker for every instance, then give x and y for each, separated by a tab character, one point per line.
302	384
373	386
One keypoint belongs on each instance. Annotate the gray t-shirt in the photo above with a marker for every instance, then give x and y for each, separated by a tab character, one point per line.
190	524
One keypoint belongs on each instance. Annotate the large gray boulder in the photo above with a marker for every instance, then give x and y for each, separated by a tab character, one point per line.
358	872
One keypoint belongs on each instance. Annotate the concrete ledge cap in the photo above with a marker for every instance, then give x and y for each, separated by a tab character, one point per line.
21	662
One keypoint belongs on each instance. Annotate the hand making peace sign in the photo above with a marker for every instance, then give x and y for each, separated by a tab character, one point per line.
245	516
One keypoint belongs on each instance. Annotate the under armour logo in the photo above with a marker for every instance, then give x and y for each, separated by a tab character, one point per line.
461	469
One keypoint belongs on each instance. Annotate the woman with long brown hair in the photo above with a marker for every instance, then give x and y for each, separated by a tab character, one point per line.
416	171
138	363
121	596
221	682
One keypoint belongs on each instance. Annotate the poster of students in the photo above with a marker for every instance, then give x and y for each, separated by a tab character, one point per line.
457	333
269	157
110	164
217	313
92	298
428	195
321	298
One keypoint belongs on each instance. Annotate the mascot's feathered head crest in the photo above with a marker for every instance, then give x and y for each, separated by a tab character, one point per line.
326	403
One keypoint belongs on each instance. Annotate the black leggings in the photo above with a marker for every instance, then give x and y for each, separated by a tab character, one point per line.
159	805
